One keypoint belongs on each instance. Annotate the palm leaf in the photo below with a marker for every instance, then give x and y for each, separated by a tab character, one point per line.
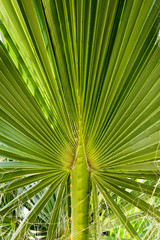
80	83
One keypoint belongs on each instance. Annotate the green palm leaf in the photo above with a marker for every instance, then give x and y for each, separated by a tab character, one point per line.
80	84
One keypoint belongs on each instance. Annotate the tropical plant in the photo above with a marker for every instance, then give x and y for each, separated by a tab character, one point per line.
80	84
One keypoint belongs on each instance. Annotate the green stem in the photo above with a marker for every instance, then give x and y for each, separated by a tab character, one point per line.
80	194
69	201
